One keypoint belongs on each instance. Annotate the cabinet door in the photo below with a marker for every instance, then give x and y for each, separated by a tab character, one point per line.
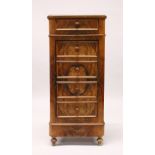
76	81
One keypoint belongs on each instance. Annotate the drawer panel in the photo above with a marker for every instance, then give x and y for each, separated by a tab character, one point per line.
76	68
76	89
76	109
73	48
73	25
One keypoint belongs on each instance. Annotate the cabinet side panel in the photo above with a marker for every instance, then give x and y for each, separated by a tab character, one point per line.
101	73
52	72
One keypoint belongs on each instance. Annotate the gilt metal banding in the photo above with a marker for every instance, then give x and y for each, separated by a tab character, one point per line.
76	77
78	35
61	82
76	116
71	61
62	97
75	56
77	29
59	102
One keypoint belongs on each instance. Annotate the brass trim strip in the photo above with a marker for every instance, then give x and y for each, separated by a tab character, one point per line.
73	35
70	61
77	29
74	56
76	124
61	82
63	97
76	116
77	77
61	102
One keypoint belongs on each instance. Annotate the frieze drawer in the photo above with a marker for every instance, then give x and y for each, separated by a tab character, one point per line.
76	25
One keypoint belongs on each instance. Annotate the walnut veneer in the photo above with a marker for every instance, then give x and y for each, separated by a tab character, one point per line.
76	76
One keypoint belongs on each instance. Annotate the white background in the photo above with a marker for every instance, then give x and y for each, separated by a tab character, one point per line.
16	83
113	75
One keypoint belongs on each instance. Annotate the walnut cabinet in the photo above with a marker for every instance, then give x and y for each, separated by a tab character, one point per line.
77	52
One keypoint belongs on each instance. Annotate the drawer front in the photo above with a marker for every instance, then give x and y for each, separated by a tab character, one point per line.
76	90
74	25
76	109
76	69
74	48
76	99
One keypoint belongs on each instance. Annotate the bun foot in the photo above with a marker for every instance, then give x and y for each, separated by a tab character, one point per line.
53	140
99	141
